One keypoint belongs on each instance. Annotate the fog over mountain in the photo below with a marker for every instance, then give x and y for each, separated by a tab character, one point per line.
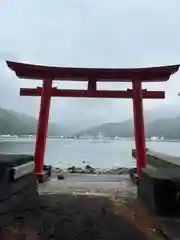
89	33
164	111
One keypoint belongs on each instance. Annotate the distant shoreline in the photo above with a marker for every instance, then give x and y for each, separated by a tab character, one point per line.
33	139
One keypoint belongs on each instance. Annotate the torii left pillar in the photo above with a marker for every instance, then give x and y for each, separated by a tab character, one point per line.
42	128
139	131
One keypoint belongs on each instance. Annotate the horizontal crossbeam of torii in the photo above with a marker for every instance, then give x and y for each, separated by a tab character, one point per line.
92	76
91	94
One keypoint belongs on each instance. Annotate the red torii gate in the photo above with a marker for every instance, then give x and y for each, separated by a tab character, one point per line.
92	75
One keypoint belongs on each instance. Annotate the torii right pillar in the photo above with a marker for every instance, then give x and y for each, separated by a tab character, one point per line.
139	132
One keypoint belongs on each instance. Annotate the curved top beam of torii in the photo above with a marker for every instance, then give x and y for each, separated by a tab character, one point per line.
149	74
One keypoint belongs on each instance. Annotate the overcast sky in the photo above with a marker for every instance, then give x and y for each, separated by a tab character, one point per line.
88	33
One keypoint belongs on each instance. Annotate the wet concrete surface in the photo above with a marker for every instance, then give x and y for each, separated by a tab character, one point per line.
107	185
84	207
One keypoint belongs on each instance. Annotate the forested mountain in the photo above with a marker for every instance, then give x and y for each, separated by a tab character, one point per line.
12	122
166	127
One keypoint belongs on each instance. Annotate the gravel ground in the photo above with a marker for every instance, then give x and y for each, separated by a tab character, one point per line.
72	217
80	207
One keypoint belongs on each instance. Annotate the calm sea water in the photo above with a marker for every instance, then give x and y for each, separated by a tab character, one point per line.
64	153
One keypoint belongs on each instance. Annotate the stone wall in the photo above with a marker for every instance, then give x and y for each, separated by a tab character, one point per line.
159	160
18	186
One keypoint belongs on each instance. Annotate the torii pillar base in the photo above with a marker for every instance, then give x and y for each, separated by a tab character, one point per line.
45	175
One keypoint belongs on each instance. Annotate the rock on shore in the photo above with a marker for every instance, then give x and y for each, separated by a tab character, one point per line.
61	174
121	170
